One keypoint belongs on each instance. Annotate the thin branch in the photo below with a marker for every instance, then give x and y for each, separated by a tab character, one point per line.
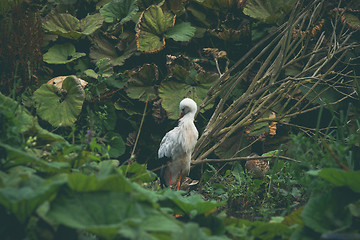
244	159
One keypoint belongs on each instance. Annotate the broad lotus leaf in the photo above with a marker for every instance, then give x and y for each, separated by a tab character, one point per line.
119	10
107	181
16	156
188	205
62	54
194	86
68	26
25	197
116	143
91	23
137	172
60	107
141	83
104	212
328	212
268	11
151	29
28	124
339	178
181	32
103	48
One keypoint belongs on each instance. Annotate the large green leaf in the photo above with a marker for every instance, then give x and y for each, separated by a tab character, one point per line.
184	84
22	199
27	123
16	156
268	11
116	143
150	30
119	10
103	48
90	183
60	107
137	172
91	23
105	213
68	26
350	179
192	205
141	84
61	54
327	212
181	32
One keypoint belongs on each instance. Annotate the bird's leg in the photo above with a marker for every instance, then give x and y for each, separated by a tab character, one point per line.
170	180
178	182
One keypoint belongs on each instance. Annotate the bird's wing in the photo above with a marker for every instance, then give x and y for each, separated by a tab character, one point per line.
168	143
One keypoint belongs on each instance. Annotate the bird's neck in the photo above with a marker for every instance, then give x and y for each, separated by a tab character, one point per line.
188	118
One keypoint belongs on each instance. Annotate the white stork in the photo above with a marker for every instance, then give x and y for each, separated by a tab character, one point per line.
178	145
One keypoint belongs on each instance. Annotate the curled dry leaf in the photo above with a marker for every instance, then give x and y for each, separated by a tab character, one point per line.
58	81
214	52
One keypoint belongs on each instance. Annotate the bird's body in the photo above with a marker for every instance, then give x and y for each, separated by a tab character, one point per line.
257	167
178	144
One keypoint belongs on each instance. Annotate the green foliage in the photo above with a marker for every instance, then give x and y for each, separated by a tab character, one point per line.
60	107
119	10
103	48
141	84
238	228
184	82
16	120
68	26
327	212
22	192
152	25
181	32
268	11
62	54
116	143
341	178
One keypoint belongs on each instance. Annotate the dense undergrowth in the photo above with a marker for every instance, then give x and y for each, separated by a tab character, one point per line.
276	78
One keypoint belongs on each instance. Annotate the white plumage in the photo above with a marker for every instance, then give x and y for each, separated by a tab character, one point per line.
179	143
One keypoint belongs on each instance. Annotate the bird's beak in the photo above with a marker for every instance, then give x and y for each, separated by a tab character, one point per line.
181	115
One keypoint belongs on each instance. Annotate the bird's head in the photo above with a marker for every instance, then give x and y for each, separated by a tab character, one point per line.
188	106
